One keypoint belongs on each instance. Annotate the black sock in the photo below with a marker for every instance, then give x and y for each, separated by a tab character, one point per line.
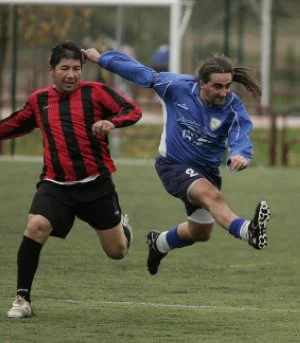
27	262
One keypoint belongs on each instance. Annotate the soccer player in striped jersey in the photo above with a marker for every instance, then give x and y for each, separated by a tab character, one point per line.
75	118
203	118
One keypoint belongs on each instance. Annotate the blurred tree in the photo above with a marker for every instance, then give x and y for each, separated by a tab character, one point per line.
139	30
44	25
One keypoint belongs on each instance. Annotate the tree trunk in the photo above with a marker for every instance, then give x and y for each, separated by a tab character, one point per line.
4	28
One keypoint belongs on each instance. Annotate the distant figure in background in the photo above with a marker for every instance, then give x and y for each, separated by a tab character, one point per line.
105	43
203	118
160	59
102	43
75	118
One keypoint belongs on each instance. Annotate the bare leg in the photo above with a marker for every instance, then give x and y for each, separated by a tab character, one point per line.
114	242
194	232
205	194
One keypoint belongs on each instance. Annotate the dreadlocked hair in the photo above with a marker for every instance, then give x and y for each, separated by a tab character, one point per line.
219	63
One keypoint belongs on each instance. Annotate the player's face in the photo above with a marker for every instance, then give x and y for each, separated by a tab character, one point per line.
66	75
215	91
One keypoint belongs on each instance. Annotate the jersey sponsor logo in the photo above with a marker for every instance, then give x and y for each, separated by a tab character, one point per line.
195	134
203	140
184	106
215	123
194	138
46	107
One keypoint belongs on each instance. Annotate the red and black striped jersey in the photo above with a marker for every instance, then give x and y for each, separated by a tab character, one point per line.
71	151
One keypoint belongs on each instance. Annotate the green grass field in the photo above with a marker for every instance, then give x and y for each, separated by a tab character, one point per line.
219	291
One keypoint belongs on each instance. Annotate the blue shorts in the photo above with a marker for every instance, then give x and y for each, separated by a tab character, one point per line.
177	178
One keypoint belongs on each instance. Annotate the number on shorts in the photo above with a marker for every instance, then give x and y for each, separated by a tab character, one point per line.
191	172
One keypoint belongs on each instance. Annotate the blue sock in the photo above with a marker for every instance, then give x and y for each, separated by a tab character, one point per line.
174	241
235	227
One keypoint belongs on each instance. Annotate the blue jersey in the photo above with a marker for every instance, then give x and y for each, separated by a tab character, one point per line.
193	133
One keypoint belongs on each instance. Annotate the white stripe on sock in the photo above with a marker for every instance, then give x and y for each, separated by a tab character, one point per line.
244	234
162	244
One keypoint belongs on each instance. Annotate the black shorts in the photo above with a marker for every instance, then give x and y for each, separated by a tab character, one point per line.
177	178
94	202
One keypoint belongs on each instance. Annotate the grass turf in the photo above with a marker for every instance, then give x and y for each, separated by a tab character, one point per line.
219	291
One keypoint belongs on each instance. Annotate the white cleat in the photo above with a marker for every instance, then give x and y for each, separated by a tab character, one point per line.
20	309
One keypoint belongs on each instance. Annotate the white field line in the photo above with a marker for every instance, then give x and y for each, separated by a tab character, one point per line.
21	158
173	306
264	264
170	306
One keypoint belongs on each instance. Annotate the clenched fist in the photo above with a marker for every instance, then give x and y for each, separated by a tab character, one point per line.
102	128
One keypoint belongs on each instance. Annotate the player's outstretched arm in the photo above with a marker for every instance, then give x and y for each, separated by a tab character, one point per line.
123	65
92	55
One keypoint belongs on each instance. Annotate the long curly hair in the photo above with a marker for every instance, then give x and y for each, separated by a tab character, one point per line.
219	63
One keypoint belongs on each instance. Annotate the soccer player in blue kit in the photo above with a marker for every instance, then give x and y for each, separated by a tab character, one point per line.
202	119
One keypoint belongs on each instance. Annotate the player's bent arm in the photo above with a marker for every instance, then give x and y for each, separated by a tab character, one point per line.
239	141
102	127
123	111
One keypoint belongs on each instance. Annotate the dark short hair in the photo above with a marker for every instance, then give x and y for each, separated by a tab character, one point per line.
66	49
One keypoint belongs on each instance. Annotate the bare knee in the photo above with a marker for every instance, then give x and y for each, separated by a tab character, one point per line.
114	242
38	228
116	253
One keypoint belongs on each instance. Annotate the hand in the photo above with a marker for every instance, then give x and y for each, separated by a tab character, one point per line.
237	163
91	54
102	128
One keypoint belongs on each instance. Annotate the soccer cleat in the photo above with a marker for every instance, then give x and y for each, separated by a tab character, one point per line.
127	229
20	309
154	256
258	226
